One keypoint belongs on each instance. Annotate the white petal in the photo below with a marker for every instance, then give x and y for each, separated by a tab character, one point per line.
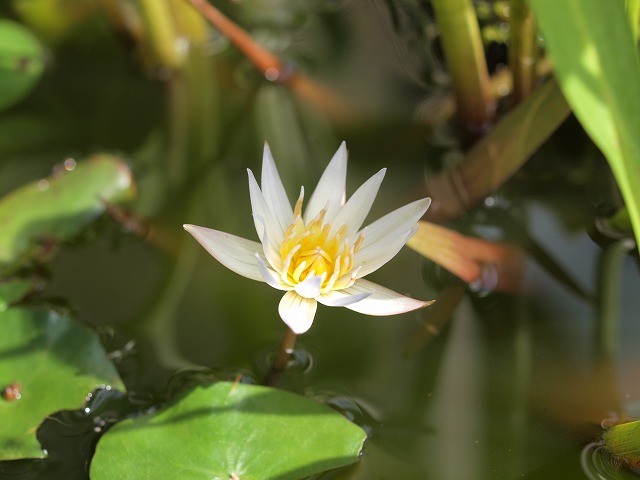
330	189
384	238
269	276
261	210
297	312
340	299
274	192
378	254
309	287
235	253
381	300
394	224
357	207
271	252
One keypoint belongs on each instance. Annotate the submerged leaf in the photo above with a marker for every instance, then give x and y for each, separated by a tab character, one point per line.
228	431
47	363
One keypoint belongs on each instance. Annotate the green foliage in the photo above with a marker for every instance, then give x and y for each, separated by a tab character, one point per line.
596	62
55	363
13	290
21	62
44	213
214	432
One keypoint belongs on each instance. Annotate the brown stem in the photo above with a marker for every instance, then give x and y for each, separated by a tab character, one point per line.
282	357
263	59
272	67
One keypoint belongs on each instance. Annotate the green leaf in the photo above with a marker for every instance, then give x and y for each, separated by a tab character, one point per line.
55	209
21	62
224	429
14	290
623	441
54	363
596	61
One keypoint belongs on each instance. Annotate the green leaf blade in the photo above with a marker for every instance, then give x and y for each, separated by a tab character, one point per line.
596	61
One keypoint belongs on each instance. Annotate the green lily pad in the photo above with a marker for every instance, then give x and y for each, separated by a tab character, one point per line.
51	363
228	431
21	62
39	215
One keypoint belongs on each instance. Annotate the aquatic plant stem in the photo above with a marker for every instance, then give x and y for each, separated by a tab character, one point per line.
162	33
464	54
282	356
609	283
498	155
523	49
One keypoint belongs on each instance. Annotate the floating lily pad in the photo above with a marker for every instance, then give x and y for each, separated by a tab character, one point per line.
51	364
36	217
228	431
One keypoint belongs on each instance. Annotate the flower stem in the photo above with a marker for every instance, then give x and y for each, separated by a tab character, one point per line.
282	357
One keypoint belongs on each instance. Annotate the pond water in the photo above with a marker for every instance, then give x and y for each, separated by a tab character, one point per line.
509	386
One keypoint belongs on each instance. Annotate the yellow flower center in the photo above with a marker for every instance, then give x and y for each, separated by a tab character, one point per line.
309	250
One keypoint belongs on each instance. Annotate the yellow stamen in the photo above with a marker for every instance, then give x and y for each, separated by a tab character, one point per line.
308	250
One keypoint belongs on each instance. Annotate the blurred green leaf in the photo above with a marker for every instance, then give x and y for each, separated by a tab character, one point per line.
52	20
13	290
54	363
21	62
623	441
632	8
225	429
39	215
596	61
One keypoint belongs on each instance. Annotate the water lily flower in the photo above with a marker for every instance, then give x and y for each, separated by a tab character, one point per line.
319	255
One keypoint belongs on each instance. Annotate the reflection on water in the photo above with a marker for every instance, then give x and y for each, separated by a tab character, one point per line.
598	464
